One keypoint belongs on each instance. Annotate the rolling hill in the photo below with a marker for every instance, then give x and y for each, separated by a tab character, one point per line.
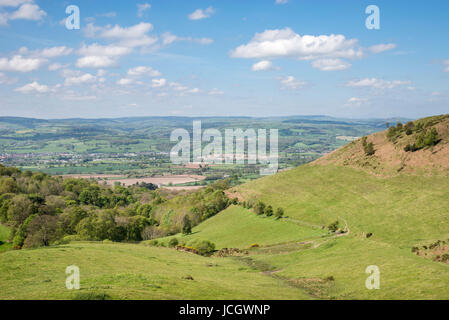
392	205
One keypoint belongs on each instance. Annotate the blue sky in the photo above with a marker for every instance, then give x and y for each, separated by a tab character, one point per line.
223	58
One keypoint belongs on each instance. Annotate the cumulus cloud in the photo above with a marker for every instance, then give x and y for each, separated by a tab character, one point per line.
157	83
33	87
27	10
134	36
52	52
141	8
286	43
80	79
125	81
376	83
330	64
291	83
263	65
356	102
382	47
202	14
100	56
327	52
143	71
19	63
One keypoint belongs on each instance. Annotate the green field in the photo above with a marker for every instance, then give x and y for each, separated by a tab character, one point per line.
237	227
129	271
4	235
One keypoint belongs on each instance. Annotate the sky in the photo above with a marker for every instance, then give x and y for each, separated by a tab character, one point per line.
223	58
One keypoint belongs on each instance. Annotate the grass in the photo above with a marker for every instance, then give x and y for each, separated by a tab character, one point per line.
400	211
237	227
132	271
4	236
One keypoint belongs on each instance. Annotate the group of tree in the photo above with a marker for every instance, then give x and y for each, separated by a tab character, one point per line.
42	210
260	208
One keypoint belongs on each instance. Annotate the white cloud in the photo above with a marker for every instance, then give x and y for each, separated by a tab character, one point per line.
104	50
141	8
281	1
376	83
356	102
215	92
131	37
96	62
169	38
13	3
202	14
330	64
28	11
80	79
53	52
157	83
33	87
125	81
263	65
143	71
286	43
20	64
325	51
382	47
100	56
291	83
194	90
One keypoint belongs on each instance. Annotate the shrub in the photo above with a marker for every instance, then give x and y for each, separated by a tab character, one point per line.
173	242
259	208
204	247
152	243
269	211
333	227
279	213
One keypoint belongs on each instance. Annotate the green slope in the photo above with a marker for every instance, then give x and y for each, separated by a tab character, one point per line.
4	235
401	212
127	271
237	227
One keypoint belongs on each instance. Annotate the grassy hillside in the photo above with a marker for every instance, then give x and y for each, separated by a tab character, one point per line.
237	227
128	271
398	209
4	235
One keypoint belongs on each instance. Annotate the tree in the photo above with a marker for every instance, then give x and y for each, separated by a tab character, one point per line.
269	211
259	208
279	213
186	225
41	231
